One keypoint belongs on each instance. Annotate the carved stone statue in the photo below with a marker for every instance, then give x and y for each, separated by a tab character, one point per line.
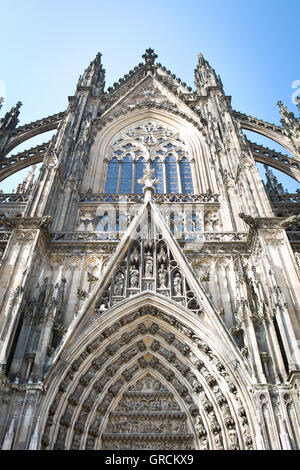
199	427
177	285
135	257
134	277
119	284
148	264
162	255
162	277
233	437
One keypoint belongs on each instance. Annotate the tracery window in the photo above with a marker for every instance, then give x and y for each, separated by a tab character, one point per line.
148	144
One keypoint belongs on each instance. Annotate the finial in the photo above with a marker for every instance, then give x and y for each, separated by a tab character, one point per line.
148	181
149	57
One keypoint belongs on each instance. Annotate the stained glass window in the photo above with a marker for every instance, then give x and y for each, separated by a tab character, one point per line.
152	144
158	165
112	176
186	176
126	175
171	174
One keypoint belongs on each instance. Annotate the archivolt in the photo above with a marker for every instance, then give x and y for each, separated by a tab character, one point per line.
214	399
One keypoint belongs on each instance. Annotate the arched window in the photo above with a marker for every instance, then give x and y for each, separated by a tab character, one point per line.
186	176
112	178
148	144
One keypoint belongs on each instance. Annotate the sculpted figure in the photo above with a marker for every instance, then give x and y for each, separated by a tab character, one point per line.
134	278
177	285
119	284
162	254
162	276
219	441
204	441
199	426
233	437
148	265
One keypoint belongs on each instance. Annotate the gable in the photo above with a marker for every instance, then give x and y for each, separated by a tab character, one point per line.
145	92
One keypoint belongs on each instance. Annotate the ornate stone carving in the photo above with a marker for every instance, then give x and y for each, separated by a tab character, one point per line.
147	411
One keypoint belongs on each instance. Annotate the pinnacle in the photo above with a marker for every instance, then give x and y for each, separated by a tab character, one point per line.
200	58
98	57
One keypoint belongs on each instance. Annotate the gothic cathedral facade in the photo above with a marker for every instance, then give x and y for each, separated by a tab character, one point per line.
150	283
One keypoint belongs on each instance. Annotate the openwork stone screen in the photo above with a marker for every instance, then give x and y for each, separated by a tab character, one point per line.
153	145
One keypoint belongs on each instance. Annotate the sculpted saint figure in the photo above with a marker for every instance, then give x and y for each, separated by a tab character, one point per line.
149	264
119	284
134	277
177	285
162	277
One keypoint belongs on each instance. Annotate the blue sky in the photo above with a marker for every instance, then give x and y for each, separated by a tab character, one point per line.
253	45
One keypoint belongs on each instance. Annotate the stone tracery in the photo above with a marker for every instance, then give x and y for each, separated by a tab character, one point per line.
148	144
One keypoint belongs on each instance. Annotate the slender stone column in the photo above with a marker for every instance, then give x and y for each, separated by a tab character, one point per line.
26	243
9	436
255	350
273	345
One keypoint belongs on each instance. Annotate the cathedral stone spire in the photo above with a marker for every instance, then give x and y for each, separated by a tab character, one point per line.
10	120
291	125
272	185
94	75
288	118
205	76
27	184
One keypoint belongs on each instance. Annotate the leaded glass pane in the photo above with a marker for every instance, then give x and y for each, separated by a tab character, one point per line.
126	175
112	176
171	174
157	165
186	176
140	166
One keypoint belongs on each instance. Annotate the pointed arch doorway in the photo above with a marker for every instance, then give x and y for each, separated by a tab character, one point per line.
147	374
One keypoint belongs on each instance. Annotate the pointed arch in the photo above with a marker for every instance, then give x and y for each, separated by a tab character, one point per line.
194	139
150	333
